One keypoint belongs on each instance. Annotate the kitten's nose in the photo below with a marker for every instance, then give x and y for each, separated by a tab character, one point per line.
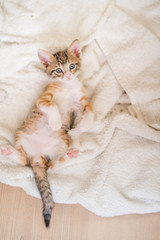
68	75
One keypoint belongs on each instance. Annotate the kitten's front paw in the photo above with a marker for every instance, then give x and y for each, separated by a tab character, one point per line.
55	123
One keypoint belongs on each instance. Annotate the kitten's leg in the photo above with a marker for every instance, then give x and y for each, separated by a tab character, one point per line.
23	156
71	153
63	134
85	104
75	117
88	116
46	104
19	136
67	122
51	164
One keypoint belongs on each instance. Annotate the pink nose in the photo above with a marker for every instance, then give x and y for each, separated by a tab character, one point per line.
68	75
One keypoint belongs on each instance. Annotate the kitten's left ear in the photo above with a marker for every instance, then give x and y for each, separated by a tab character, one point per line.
75	48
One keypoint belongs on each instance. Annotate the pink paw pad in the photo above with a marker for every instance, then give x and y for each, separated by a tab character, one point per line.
72	153
6	151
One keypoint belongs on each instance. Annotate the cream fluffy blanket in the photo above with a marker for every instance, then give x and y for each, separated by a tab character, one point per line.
118	168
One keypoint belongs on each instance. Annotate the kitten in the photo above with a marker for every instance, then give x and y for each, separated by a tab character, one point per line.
43	139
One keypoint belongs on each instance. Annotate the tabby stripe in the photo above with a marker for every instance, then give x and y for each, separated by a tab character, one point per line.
44	189
52	72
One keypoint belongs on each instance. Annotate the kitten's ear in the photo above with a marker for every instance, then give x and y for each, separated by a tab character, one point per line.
75	48
45	57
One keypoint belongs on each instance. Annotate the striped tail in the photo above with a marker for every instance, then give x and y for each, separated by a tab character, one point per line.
45	191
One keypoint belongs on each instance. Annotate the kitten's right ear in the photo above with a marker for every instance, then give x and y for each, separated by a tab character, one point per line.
45	57
75	49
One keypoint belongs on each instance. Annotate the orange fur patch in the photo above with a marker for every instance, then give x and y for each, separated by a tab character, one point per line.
64	136
62	159
23	156
30	125
40	162
46	98
85	104
51	165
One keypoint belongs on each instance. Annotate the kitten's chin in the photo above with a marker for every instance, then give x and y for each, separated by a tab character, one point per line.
65	80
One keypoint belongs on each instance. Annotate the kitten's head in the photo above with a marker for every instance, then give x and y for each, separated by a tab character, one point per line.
63	65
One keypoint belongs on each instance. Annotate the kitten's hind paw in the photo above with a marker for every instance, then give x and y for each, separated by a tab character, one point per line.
72	153
6	151
10	154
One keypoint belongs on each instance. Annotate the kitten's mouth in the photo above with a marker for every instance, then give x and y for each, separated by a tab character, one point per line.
68	79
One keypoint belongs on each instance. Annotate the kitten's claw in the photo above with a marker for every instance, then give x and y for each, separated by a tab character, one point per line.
72	153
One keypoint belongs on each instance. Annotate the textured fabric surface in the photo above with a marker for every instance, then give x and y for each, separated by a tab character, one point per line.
118	168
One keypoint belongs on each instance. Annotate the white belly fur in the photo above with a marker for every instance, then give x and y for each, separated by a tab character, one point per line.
68	98
43	142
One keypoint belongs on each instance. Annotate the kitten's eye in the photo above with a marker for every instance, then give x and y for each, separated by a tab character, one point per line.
72	66
59	70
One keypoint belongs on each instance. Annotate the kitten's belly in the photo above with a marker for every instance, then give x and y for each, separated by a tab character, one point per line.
41	143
